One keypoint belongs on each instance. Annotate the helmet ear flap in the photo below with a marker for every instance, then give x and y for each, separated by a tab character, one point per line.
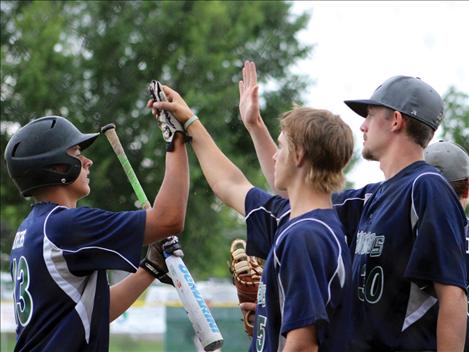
34	152
49	175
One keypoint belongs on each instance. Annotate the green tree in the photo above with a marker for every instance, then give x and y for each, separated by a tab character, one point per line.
91	61
455	126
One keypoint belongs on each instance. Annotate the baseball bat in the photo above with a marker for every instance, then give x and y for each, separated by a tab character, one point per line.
202	321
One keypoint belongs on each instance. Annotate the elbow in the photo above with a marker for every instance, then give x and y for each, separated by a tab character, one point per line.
174	224
163	224
178	227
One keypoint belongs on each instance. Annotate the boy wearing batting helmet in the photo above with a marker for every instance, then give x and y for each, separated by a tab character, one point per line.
304	295
453	162
406	234
61	252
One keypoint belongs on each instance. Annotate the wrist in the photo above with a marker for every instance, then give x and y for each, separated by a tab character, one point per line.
256	124
145	274
190	121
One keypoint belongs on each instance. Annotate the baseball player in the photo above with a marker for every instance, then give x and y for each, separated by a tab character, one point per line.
453	162
406	234
304	294
61	252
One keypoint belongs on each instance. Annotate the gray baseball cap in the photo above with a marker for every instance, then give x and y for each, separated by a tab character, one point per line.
408	95
450	158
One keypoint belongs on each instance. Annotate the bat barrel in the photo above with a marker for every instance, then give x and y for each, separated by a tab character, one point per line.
199	314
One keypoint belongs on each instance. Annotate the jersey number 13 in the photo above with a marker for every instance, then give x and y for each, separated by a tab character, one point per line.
21	295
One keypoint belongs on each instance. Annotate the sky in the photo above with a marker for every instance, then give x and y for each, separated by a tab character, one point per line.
359	44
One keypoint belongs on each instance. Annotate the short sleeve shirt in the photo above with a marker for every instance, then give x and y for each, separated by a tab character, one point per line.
408	234
58	263
306	279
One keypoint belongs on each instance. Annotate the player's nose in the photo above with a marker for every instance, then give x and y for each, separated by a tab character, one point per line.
364	126
87	162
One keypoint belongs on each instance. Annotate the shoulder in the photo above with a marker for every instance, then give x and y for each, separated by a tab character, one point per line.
84	219
315	232
63	216
431	193
350	197
260	202
429	183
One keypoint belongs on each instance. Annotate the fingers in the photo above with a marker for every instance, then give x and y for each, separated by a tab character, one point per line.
241	88
254	72
255	92
249	73
154	111
163	105
170	93
248	306
245	74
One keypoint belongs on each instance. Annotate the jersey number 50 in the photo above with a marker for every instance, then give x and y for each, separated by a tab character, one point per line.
21	295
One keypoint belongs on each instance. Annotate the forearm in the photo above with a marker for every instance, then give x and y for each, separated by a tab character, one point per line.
169	208
265	149
224	178
174	191
126	292
452	318
302	339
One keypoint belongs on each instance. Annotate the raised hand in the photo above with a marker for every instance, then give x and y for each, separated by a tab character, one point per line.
168	124
249	96
175	104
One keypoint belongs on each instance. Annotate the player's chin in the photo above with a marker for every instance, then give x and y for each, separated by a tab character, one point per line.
279	185
85	191
368	155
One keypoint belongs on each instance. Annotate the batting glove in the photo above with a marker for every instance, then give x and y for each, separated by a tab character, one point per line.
154	262
168	124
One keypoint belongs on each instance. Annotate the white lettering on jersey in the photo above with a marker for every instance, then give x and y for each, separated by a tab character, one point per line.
369	243
19	239
261	294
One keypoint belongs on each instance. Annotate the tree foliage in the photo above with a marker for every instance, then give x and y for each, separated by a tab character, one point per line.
91	62
455	125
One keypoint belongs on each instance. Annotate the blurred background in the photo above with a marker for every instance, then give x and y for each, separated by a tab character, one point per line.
92	61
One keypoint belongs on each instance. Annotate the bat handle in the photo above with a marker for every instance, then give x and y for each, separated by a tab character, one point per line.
110	132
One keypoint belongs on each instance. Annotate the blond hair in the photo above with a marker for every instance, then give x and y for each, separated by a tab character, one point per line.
327	142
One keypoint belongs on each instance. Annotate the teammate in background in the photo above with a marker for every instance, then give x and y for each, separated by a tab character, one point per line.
453	162
304	295
61	253
406	233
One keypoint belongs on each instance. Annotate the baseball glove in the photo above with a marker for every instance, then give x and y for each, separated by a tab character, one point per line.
246	271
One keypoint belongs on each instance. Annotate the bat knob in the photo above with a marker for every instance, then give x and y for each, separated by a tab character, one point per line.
107	127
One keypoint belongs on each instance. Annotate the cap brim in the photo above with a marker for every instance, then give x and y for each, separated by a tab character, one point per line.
361	106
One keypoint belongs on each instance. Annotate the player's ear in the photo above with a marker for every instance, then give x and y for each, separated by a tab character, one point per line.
398	121
299	156
466	191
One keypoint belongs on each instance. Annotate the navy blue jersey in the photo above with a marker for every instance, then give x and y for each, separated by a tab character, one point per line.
306	279
409	233
466	348
58	263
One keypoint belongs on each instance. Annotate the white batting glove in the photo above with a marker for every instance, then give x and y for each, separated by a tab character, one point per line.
168	124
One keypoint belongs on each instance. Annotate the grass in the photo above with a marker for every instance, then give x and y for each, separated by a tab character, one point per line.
126	343
118	343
